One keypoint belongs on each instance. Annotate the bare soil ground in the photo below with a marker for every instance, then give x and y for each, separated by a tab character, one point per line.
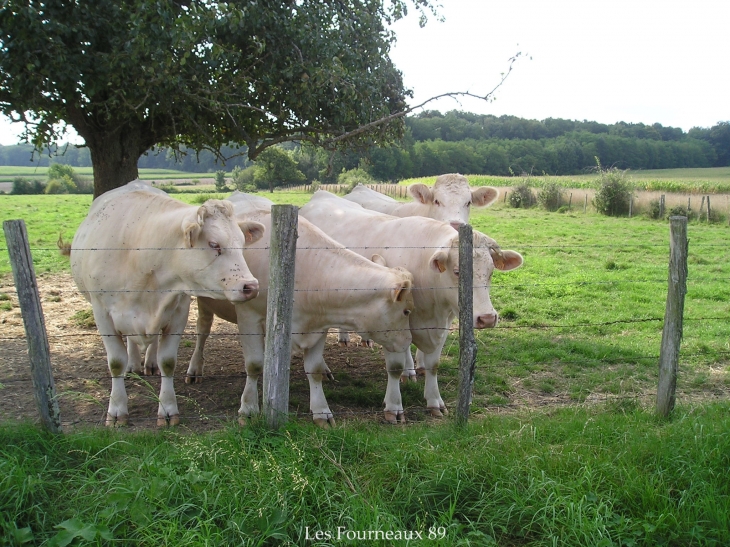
82	378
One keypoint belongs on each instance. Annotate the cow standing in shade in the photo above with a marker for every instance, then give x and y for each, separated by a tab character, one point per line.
138	257
429	249
334	287
450	200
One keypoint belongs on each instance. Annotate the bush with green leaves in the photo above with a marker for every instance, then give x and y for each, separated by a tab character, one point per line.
548	197
353	177
243	179
220	182
614	192
62	179
24	186
521	196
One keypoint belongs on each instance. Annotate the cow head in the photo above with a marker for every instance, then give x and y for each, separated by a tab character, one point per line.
451	198
487	256
218	270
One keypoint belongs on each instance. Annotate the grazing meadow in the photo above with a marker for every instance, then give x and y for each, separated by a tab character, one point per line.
562	447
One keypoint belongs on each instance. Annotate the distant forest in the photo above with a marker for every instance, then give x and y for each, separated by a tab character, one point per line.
462	142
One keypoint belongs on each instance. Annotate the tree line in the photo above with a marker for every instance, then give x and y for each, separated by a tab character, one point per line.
436	143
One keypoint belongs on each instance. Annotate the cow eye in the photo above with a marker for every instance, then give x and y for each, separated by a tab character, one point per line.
437	202
406	312
468	204
215	246
456	272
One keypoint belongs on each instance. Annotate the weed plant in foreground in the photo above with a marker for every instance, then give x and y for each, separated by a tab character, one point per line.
608	475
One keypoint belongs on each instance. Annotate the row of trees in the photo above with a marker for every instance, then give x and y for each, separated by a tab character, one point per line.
571	152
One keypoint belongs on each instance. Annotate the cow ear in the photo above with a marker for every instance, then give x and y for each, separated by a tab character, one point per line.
507	260
401	290
483	196
421	193
378	260
191	227
438	261
252	231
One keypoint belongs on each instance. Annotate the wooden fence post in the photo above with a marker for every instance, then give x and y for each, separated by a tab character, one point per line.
39	353
708	208
279	305
585	204
467	343
661	206
672	333
631	205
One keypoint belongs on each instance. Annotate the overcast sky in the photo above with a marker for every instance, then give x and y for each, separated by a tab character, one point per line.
648	61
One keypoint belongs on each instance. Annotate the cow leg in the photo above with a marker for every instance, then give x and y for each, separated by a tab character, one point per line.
395	362
409	373
343	337
169	342
315	368
251	337
430	362
202	328
116	354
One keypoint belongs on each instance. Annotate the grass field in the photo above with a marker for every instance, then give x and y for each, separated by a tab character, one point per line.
580	461
8	173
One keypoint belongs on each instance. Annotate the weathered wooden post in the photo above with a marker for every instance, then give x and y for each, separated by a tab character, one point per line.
585	204
672	333
467	343
39	353
661	206
708	208
631	205
279	305
570	201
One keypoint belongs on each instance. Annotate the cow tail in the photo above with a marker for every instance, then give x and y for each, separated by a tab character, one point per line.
63	247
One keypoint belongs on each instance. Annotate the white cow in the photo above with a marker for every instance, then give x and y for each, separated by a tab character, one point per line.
334	287
429	249
138	257
450	200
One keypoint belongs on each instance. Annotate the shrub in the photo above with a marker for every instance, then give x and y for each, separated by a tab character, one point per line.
614	192
655	209
549	196
521	196
24	186
243	179
220	182
315	185
353	177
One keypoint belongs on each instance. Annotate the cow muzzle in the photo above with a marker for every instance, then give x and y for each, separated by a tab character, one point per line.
246	291
455	224
486	321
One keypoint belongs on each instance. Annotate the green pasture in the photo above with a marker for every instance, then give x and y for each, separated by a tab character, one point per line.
562	447
8	173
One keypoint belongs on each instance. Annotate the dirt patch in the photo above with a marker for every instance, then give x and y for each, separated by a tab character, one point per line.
82	378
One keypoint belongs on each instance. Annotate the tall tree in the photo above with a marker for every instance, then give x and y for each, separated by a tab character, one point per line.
131	74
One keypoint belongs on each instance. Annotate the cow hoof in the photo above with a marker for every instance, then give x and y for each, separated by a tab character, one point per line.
164	421
116	421
193	379
324	423
343	344
436	412
420	371
394	417
404	378
330	376
148	371
243	421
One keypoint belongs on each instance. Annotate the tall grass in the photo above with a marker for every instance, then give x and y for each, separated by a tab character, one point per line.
606	476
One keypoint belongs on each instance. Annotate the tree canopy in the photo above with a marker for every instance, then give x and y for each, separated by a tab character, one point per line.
128	75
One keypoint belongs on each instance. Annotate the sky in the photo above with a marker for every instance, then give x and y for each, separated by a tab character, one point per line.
636	61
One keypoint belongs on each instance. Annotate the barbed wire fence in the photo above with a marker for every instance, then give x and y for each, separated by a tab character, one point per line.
49	401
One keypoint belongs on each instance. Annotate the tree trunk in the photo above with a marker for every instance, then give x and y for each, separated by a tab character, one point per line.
114	157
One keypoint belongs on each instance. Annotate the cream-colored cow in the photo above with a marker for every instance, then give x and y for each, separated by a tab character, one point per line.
450	200
334	287
429	249
138	257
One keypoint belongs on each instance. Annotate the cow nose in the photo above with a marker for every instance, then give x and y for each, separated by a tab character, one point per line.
486	321
250	289
455	224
